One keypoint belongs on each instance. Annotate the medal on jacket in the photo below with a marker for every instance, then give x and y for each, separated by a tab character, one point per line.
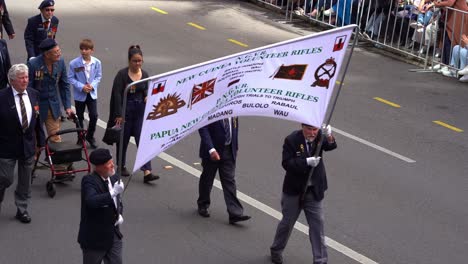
132	89
302	148
234	122
38	75
36	110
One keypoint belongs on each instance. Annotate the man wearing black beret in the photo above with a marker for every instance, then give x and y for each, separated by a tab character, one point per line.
101	211
40	27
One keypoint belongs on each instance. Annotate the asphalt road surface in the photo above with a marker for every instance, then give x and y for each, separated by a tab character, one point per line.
397	181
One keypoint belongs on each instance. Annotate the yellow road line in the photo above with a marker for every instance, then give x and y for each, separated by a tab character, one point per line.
196	26
159	10
338	82
387	102
440	123
238	43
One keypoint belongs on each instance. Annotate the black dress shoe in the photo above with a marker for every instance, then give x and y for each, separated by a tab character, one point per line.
238	218
276	258
63	118
23	217
150	177
203	212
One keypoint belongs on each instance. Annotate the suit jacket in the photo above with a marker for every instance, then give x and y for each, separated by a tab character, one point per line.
16	143
297	170
98	213
213	136
77	77
46	83
35	33
5	64
5	17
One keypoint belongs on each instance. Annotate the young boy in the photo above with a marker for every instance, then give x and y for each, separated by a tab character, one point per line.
85	74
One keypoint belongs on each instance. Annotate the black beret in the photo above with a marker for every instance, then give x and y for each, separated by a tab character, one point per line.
46	3
100	156
47	44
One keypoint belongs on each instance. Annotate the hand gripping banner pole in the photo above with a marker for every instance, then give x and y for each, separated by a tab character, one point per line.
330	111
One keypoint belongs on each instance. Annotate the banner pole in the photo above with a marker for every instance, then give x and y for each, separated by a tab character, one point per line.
122	128
329	116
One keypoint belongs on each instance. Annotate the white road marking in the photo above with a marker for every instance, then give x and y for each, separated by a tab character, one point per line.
265	208
372	145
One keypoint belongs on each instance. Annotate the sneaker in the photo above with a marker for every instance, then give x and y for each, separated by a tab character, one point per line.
464	71
414	24
329	12
299	11
443	69
464	78
435	67
448	73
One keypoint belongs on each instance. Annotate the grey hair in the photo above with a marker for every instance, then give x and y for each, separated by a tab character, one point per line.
17	69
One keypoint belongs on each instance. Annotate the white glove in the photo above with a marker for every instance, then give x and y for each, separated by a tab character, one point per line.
117	189
327	130
313	161
119	221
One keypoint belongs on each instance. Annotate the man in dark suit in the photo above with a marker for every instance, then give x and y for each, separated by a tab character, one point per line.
5	64
101	211
19	112
40	27
6	22
300	191
218	151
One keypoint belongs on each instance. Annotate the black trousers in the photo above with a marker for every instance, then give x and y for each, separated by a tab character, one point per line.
92	112
226	167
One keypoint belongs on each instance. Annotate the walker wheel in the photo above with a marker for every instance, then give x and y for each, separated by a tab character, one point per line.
50	188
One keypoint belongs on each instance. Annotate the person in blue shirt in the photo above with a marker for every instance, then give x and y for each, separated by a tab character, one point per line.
85	74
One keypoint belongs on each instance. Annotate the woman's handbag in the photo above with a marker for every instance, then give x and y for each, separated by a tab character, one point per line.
112	135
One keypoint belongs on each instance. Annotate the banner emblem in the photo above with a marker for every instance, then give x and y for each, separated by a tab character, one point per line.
324	73
167	106
202	91
339	43
291	72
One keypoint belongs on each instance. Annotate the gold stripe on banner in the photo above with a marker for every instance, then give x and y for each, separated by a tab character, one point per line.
440	123
387	102
238	43
159	10
196	26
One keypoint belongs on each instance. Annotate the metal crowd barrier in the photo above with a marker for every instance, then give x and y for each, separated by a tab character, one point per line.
390	24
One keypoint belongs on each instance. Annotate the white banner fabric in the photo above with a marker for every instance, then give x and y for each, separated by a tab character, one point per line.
291	80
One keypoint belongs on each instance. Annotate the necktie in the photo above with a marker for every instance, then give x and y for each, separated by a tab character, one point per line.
46	24
309	148
227	131
24	116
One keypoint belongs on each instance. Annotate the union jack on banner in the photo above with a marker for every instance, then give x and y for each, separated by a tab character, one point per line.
202	91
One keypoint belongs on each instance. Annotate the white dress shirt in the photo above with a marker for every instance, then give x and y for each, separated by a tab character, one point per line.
27	105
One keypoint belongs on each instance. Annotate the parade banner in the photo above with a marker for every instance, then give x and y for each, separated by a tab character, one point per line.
291	80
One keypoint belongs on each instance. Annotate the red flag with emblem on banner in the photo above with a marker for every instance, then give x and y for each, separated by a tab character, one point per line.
291	72
339	43
202	90
158	87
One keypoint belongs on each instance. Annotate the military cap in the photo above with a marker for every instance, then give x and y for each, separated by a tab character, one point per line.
100	156
47	44
46	3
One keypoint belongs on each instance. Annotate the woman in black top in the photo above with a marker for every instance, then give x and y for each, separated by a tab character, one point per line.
136	100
